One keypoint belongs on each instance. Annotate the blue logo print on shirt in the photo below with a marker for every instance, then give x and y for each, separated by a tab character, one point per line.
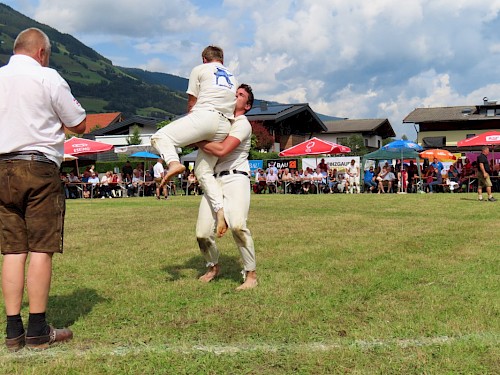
221	73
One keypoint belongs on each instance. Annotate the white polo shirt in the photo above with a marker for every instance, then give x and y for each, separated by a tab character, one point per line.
158	170
34	103
238	158
214	87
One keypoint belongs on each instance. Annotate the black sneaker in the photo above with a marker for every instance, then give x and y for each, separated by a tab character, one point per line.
491	199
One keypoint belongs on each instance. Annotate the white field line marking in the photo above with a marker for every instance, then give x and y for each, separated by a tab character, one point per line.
65	351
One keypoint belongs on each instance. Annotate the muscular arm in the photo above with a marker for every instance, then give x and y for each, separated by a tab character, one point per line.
220	149
78	129
191	102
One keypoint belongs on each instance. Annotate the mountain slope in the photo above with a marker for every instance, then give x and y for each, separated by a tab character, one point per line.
95	81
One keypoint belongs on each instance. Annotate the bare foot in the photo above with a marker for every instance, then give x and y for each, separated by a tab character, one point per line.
250	281
211	274
221	223
174	168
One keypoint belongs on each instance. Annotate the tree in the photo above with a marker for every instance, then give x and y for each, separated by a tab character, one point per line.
264	139
163	123
135	137
357	145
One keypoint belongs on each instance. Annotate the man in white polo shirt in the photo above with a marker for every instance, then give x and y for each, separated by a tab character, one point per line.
158	174
36	105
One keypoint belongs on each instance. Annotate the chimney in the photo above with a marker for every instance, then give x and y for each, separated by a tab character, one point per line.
263	105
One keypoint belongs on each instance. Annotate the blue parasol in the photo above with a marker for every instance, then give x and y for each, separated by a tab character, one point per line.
402	144
145	154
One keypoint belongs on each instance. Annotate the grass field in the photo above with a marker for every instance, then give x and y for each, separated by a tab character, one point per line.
362	284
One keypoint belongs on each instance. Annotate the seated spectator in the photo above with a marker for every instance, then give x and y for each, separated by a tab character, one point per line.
433	178
136	184
72	186
116	185
319	180
149	184
94	185
286	181
271	181
386	176
453	174
369	180
64	180
343	184
296	182
260	185
332	180
105	190
306	179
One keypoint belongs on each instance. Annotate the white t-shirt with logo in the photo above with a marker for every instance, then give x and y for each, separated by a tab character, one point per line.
214	87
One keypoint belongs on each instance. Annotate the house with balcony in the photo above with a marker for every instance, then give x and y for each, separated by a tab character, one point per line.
443	127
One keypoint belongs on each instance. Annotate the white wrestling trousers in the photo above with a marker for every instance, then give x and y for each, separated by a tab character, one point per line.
204	171
194	127
236	191
352	181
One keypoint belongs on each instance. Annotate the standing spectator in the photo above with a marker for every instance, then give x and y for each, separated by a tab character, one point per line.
403	180
36	105
272	166
437	164
158	174
323	166
127	172
412	174
483	175
353	171
193	185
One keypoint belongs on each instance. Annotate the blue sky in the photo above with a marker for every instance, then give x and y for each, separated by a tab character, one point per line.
353	59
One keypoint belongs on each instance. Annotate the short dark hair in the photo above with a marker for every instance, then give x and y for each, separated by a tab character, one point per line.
249	91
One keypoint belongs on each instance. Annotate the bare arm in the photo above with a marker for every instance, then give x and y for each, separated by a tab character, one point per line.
220	149
191	102
483	171
78	129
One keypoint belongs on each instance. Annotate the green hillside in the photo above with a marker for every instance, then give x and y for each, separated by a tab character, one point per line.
93	78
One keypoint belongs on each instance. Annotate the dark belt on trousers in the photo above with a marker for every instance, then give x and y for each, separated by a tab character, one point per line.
234	171
26	155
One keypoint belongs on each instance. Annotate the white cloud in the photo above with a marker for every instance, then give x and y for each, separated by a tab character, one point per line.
378	58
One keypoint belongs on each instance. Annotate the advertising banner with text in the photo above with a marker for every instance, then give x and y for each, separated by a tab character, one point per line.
338	163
